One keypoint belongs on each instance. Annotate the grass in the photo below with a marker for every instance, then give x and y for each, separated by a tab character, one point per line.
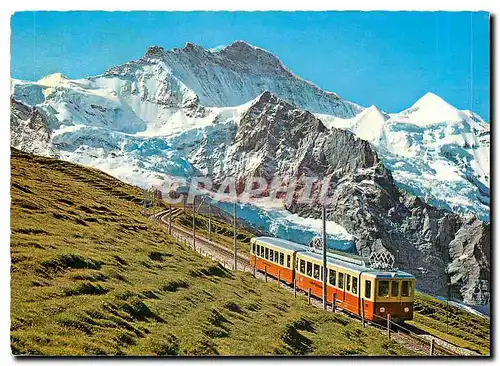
91	276
464	329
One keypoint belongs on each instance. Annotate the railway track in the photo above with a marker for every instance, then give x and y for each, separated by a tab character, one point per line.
204	246
410	336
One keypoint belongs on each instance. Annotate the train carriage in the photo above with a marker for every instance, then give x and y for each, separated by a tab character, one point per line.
359	289
275	256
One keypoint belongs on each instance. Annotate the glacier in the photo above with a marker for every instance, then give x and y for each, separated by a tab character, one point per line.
433	150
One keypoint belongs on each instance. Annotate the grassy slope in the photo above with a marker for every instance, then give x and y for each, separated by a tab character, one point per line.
90	275
464	329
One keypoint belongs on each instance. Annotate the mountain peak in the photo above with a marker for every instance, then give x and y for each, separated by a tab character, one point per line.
154	52
240	44
373	113
53	79
431	109
56	75
189	46
373	109
268	98
229	76
432	100
254	57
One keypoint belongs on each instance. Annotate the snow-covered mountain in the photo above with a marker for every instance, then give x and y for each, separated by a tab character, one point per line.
434	151
164	90
230	76
430	148
239	111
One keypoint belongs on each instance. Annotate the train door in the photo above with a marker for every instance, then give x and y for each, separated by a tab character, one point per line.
290	264
342	286
396	291
367	296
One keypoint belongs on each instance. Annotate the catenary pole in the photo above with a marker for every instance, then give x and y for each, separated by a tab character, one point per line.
154	201
324	257
234	234
170	218
209	221
194	223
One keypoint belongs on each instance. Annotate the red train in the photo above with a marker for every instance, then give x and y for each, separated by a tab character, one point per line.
358	288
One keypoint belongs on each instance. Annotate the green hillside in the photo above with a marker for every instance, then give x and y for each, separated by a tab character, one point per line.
433	316
90	275
451	323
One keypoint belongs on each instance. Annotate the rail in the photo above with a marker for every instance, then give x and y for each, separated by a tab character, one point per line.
430	346
188	233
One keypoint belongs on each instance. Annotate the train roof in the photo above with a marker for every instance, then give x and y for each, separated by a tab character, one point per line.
280	243
347	261
349	264
333	253
335	261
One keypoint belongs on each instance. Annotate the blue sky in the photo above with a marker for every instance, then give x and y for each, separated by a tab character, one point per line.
389	59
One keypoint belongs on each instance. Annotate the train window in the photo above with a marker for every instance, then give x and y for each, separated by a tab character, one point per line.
309	269
332	277
282	259
262	251
288	261
316	271
253	248
348	283
341	280
267	253
277	257
383	288
354	285
395	288
368	289
302	266
271	255
406	288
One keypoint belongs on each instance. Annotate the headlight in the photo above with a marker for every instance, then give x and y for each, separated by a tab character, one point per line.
382	310
406	309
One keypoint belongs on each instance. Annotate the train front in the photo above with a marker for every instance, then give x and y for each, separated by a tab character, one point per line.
395	291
